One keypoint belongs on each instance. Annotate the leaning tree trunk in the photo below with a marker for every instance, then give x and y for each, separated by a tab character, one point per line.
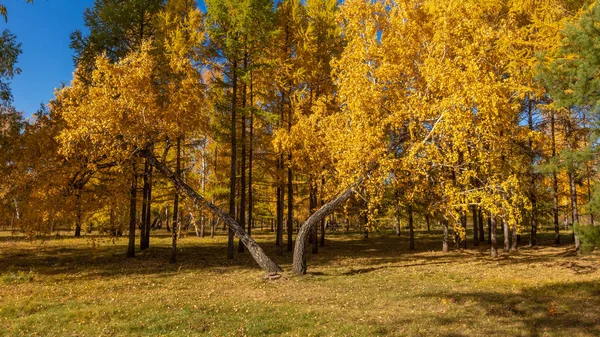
257	253
299	263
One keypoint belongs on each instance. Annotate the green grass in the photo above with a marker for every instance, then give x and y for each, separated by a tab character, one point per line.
355	287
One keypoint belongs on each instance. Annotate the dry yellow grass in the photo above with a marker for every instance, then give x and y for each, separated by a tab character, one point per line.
355	287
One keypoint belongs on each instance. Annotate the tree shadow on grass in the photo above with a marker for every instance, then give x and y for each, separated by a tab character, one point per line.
375	253
563	309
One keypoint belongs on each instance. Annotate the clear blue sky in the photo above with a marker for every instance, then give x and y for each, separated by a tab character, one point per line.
43	28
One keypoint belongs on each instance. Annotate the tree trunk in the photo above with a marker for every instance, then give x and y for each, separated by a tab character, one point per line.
554	185
250	158
475	227
463	221
506	236
492	223
428	221
79	213
489	223
480	222
313	207
290	199
299	262
132	212
232	173
257	253
243	159
322	237
515	239
149	209
411	228
574	211
176	206
445	239
532	195
144	206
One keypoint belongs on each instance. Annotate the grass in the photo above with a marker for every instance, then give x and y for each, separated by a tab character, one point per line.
355	287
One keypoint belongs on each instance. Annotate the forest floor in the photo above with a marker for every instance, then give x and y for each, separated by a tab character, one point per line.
354	287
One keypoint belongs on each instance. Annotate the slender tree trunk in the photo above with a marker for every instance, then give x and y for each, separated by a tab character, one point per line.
532	194
554	185
149	209
506	236
411	228
492	221
475	227
515	239
257	253
79	213
299	262
144	206
445	239
250	158
176	206
489	223
232	175
428	221
463	221
132	212
243	159
322	238
313	207
575	213
480	222
290	200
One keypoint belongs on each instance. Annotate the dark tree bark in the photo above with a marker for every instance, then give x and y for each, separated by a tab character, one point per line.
299	262
232	174
532	195
554	185
445	239
322	237
79	213
149	209
480	222
250	159
144	206
411	228
489	223
475	227
257	253
290	199
243	160
313	207
463	221
176	219
492	222
132	212
428	221
574	211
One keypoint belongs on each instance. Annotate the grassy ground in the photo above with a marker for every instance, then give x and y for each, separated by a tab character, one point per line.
355	287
